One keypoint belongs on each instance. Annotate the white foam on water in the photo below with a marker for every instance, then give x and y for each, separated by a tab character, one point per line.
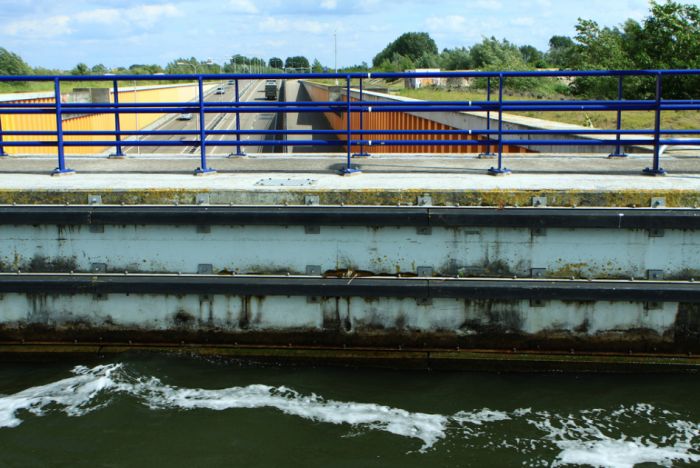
427	427
592	437
586	438
620	454
78	395
479	417
74	395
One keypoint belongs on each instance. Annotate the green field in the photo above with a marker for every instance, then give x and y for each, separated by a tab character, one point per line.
631	120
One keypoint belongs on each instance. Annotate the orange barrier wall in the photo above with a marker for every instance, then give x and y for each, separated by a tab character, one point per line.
93	122
399	121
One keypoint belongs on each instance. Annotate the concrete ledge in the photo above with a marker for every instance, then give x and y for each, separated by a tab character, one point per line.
638	218
405	358
475	289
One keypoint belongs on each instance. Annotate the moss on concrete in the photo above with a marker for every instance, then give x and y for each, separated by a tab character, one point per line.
503	198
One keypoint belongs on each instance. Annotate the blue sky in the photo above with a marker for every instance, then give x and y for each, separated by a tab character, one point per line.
59	34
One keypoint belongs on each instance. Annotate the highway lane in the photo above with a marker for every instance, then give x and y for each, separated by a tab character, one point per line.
262	121
250	90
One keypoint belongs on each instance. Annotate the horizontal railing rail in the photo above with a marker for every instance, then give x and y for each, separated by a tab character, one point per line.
352	101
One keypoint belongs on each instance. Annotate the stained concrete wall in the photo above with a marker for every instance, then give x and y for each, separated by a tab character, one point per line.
376	322
459	251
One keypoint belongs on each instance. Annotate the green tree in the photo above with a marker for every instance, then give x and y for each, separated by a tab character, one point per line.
80	69
601	49
12	64
494	55
316	67
455	59
561	51
428	61
98	69
297	62
184	66
138	69
275	62
669	38
412	45
532	56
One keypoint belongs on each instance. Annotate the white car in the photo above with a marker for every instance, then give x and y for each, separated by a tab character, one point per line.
186	116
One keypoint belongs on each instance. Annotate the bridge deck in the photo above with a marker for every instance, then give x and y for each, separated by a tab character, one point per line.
581	180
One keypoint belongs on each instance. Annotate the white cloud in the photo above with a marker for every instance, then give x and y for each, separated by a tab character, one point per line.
523	21
50	26
303	26
144	16
244	6
488	5
450	23
148	15
329	4
100	15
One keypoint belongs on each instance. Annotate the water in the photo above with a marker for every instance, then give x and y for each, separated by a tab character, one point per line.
175	411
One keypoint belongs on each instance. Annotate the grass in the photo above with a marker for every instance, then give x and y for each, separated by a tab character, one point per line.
631	120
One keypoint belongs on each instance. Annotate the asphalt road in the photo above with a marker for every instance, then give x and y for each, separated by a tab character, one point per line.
250	91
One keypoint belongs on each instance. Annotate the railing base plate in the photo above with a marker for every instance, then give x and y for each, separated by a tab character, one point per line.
240	154
494	171
204	172
486	155
654	172
617	155
60	173
116	156
361	154
350	171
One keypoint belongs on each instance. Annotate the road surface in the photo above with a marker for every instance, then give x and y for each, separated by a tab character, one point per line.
250	90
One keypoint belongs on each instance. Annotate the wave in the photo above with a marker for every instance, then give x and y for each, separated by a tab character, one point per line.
594	437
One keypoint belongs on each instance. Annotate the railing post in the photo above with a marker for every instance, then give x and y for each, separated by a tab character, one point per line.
202	169
117	125
239	152
61	169
362	152
488	153
656	170
500	170
618	153
2	148
348	169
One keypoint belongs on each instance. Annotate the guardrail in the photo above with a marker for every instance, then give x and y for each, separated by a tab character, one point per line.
495	138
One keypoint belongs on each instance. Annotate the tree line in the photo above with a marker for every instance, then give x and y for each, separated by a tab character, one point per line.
668	38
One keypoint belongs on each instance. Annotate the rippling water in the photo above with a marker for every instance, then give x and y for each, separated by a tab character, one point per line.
175	411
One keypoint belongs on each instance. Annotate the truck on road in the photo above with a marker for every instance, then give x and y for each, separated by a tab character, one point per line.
271	90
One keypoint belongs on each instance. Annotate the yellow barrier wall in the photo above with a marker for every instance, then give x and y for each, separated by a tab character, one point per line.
94	122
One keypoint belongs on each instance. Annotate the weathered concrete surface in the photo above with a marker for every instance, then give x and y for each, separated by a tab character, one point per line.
354	322
565	181
340	250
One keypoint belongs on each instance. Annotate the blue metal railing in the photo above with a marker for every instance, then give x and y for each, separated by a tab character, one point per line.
360	137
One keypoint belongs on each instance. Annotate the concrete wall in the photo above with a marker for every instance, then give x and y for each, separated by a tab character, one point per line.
374	322
458	251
